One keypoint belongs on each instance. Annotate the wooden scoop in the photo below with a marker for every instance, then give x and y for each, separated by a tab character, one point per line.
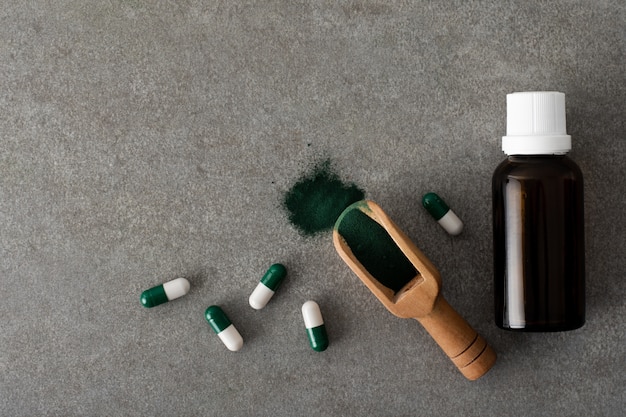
420	297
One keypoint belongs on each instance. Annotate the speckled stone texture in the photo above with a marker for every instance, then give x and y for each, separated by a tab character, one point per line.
145	140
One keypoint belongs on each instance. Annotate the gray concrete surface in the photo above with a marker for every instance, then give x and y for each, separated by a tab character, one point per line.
141	141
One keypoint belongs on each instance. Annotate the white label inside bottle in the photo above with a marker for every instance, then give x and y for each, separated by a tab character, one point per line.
514	206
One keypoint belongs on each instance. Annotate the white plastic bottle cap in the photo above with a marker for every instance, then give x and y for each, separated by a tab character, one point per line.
535	124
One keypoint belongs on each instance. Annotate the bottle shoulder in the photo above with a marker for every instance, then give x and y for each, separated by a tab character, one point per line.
538	166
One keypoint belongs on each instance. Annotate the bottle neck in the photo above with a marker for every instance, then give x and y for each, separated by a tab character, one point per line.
538	157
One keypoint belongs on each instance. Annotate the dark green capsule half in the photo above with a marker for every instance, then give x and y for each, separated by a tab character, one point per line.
318	339
154	296
217	319
435	205
274	276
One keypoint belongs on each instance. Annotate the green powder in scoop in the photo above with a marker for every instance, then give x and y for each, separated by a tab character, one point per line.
375	249
318	198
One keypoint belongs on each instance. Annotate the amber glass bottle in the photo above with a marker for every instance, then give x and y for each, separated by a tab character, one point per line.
538	220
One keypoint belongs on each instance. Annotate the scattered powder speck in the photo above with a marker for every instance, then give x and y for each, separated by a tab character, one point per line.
318	198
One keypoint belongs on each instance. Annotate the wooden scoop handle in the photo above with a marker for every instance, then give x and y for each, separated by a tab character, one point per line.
465	348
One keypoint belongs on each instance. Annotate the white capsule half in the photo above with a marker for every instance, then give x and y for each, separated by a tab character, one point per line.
231	338
312	315
176	288
260	296
451	223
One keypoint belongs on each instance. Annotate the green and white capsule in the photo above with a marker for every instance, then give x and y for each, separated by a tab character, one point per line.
222	326
314	323
163	293
442	213
265	289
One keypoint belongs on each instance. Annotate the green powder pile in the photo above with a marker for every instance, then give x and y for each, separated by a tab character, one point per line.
375	249
318	198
